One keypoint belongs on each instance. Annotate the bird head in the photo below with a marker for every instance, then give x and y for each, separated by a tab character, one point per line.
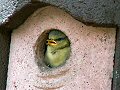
57	39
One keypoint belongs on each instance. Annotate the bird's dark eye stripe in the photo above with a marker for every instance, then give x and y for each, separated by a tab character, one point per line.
60	39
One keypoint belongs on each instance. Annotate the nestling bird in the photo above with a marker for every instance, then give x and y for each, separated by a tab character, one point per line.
57	50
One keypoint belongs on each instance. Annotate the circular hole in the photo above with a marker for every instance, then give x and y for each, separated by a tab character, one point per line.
52	49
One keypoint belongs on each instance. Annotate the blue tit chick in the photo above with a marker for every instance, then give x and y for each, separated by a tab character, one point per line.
57	50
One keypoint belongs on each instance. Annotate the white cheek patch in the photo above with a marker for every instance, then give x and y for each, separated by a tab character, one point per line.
89	67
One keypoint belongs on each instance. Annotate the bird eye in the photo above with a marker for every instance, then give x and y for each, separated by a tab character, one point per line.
59	39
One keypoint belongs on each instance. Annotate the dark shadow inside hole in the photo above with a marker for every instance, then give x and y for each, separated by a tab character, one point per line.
41	46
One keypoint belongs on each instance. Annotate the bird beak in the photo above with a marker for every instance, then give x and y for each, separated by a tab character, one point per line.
51	42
